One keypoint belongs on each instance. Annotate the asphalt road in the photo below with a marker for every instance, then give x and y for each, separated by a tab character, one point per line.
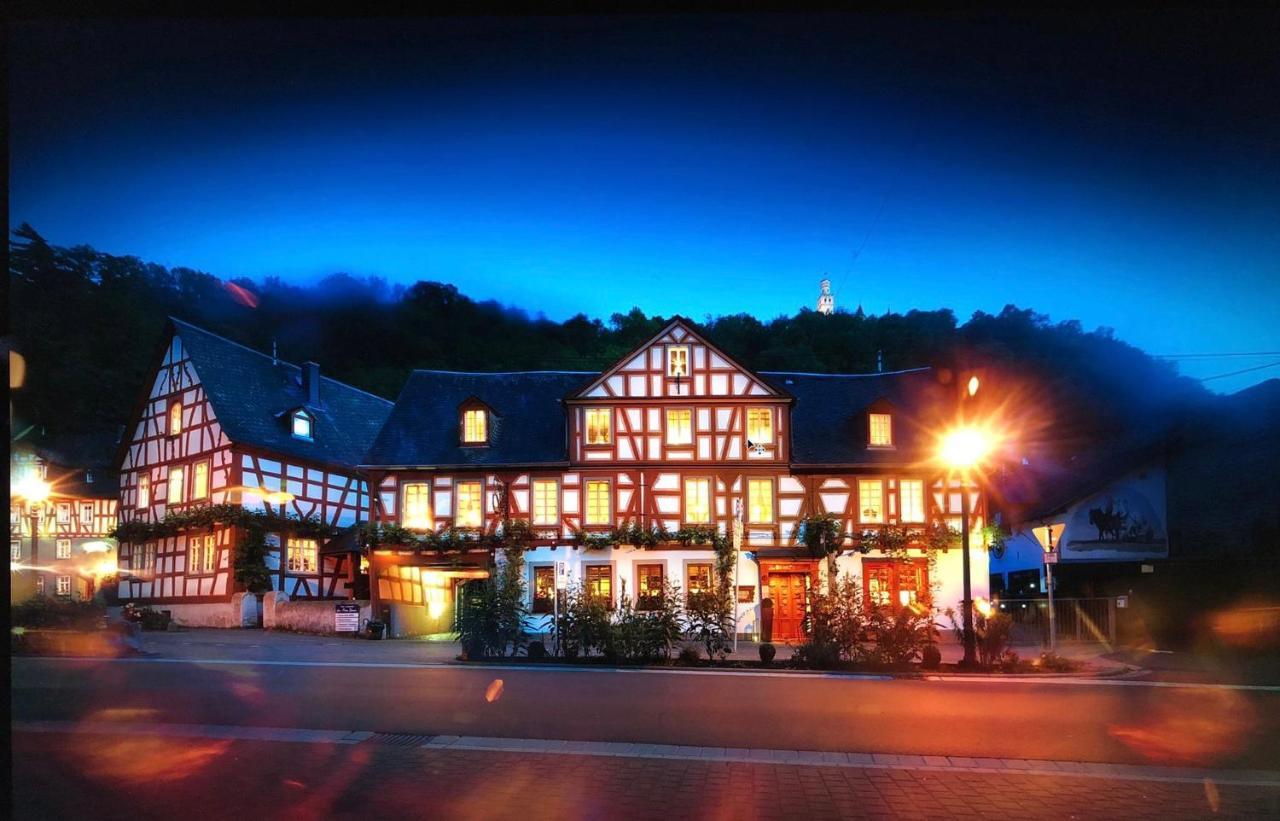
1184	725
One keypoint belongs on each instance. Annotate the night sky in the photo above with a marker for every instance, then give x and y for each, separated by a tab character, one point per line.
1123	171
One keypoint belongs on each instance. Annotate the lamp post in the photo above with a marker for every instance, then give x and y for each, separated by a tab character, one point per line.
962	450
33	490
1050	559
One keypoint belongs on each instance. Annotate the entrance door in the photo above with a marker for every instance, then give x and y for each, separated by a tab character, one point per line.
788	593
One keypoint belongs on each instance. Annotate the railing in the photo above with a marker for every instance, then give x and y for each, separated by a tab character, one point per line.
1085	620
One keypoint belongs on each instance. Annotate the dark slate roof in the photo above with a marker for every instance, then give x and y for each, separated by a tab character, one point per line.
79	464
1045	488
250	394
829	417
527	426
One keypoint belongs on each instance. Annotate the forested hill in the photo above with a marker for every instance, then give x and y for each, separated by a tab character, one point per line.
89	322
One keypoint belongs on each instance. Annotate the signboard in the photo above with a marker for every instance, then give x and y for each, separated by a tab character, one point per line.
562	575
746	593
346	618
1051	558
1122	601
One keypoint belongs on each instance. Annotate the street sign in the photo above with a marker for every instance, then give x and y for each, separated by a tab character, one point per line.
562	575
346	617
1122	601
1051	558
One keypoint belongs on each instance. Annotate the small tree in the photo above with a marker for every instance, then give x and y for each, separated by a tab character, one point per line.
251	561
823	537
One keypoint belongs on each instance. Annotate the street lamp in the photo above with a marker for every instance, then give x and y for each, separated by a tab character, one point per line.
33	490
963	449
1050	559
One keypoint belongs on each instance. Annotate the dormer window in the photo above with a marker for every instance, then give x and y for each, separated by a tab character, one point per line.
301	424
475	426
677	360
881	430
175	418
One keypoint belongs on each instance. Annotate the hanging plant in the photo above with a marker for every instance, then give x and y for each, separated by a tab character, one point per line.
821	534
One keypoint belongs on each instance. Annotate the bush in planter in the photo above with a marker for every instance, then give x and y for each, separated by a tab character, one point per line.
834	624
709	620
767	652
1056	664
536	651
931	657
899	635
59	614
689	655
991	635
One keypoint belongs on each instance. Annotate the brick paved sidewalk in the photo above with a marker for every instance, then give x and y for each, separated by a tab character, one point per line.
132	777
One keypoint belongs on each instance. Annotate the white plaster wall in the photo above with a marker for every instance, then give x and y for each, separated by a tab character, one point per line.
949	575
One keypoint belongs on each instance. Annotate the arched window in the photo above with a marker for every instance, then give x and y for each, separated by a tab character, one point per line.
175	418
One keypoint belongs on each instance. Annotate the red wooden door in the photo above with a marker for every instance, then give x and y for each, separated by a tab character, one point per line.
788	593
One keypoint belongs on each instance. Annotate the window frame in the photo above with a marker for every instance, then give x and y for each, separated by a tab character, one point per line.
58	549
175	404
427	491
667	427
902	509
769	415
689	592
641	599
895	567
301	415
670	360
773	500
457	504
477	412
587	482
292	544
587	568
86	522
15	550
62	513
871	429
862	509
143	492
181	472
533	501
195	472
534	607
195	555
684	500
210	564
58	584
586	427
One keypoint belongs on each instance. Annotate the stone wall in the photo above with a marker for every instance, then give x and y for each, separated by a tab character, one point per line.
304	616
241	611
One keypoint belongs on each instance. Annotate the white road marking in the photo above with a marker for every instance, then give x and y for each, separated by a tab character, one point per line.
666	671
806	758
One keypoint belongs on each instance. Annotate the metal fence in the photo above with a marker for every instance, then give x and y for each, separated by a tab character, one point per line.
1085	620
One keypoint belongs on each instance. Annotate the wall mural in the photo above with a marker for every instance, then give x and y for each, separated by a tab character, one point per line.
1127	519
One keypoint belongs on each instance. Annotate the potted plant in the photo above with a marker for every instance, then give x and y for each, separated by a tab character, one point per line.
374	629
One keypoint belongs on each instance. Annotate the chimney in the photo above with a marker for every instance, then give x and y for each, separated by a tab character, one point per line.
311	382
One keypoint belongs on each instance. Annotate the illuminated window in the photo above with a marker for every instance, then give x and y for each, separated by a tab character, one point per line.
760	425
64	585
599	583
210	553
544	589
760	500
911	498
697	501
599	511
881	429
470	512
62	549
302	425
649	586
870	501
697	579
64	513
195	555
599	426
302	555
15	551
895	583
679	426
144	491
546	502
200	480
40	585
416	506
176	476
677	360
86	515
175	419
475	428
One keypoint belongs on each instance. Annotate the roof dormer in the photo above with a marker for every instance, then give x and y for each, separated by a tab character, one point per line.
880	424
474	422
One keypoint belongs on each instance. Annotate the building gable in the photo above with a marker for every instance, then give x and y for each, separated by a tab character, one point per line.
677	363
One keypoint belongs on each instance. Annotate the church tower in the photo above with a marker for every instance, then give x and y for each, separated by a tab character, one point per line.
826	302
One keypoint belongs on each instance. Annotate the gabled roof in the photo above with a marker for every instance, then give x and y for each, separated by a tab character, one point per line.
528	426
829	416
71	458
249	392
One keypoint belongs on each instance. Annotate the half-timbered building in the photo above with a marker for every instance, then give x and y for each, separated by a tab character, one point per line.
220	423
675	434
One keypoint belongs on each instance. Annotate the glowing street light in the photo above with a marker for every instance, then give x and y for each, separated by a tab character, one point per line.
33	490
962	450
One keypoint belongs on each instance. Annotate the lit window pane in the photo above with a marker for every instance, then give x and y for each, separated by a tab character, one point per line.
697	501
760	500
200	481
210	553
546	508
698	579
680	427
881	429
470	505
474	427
302	425
599	579
760	425
599	426
175	419
417	506
871	500
677	360
598	508
63	548
911	494
175	486
302	556
144	491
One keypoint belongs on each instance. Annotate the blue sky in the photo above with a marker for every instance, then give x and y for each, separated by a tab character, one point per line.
699	165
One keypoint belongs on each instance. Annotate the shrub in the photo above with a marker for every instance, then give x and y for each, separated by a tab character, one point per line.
709	620
1056	663
583	626
767	652
834	624
536	651
689	655
63	614
898	635
991	636
816	656
931	657
491	612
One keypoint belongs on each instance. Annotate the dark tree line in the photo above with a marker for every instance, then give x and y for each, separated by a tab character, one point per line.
88	324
